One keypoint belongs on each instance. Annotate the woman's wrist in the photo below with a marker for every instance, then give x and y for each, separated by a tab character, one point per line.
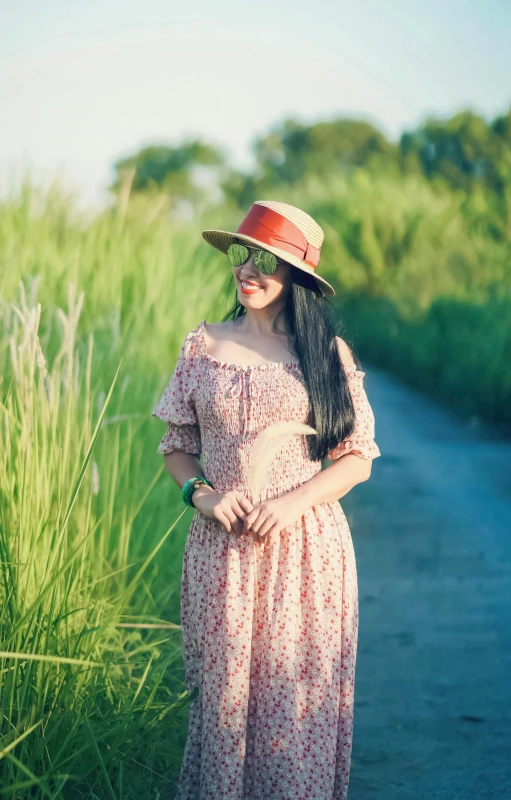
200	492
190	487
309	493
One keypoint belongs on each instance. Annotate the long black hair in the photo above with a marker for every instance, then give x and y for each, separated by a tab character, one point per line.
311	332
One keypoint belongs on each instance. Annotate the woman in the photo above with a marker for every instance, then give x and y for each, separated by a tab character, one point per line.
269	632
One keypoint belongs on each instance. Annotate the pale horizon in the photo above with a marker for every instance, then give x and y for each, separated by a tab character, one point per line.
87	85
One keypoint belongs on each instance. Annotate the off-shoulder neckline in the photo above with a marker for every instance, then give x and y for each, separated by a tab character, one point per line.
228	365
271	365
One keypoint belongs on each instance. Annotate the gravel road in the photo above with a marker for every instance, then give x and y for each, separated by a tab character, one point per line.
432	536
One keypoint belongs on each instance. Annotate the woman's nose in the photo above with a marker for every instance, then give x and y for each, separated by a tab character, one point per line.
249	270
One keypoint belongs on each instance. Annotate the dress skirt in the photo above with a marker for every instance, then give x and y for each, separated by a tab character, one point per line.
269	633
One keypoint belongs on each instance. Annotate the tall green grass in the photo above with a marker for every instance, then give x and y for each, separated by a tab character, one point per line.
92	694
93	311
89	696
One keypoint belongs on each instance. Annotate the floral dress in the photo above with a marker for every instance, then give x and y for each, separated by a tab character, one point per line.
270	645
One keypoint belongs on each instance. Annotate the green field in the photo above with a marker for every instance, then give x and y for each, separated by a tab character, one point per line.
91	527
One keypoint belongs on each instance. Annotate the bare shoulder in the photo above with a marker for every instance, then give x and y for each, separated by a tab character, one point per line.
220	326
218	330
345	352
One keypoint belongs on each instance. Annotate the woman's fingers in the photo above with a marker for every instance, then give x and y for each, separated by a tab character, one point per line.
258	519
233	519
223	521
233	512
241	506
267	526
237	527
250	519
245	504
241	514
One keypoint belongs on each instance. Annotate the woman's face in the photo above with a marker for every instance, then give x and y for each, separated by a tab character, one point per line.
262	290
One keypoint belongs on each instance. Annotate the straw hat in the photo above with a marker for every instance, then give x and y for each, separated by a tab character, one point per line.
284	230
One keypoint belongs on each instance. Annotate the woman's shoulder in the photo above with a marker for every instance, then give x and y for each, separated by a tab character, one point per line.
217	327
345	353
193	342
349	362
209	333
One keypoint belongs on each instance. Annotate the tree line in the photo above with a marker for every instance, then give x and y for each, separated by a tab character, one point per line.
464	152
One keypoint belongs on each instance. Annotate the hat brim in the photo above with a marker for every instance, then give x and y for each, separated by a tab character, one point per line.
221	240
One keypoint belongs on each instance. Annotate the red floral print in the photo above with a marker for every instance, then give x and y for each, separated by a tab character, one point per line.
273	718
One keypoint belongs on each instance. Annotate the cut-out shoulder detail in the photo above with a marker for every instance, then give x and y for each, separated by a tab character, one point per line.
200	332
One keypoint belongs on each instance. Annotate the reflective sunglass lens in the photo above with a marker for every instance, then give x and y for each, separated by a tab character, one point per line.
265	261
237	254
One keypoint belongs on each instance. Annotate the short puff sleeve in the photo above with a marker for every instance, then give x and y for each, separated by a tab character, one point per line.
177	404
361	442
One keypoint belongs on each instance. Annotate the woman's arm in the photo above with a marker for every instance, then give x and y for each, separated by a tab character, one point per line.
327	486
229	508
333	482
182	466
345	471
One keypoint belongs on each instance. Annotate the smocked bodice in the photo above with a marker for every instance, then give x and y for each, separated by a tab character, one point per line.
218	409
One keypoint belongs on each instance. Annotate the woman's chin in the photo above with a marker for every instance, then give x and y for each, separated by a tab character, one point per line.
250	299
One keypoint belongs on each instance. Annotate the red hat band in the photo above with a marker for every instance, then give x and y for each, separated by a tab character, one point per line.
269	227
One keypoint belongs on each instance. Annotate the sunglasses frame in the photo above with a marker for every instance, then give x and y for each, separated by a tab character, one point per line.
256	250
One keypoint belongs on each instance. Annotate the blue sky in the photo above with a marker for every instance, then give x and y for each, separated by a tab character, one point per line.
84	83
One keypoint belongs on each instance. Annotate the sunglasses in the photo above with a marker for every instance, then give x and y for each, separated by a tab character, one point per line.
265	261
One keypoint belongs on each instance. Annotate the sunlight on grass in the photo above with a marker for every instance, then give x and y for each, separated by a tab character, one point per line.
92	529
73	672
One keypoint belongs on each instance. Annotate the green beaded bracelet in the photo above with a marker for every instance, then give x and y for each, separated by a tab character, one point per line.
190	486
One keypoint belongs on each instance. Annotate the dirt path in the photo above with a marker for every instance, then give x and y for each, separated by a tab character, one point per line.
432	536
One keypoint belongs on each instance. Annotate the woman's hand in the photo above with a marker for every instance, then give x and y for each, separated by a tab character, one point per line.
229	508
272	516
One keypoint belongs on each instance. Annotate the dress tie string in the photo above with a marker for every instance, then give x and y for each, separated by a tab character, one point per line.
244	386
